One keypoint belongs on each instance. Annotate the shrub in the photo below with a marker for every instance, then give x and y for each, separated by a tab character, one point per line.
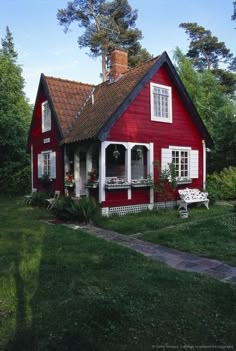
82	210
15	178
38	199
88	208
65	208
222	185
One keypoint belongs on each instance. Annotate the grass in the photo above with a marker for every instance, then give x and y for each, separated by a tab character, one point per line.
207	233
65	290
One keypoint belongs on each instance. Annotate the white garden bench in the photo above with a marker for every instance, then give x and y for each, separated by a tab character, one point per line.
190	196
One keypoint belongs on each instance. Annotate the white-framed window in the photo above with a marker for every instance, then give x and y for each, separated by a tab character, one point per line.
47	164
161	103
46	117
185	160
180	158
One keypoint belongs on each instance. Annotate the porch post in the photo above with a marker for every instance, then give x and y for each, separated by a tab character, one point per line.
77	172
128	166
151	173
102	172
66	161
88	165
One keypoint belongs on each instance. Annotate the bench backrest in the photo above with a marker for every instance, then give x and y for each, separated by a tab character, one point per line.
192	194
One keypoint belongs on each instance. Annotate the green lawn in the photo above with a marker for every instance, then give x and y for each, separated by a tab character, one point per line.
207	233
65	290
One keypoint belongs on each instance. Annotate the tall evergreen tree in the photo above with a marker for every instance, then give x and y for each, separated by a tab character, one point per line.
207	52
106	24
217	110
8	47
15	114
234	13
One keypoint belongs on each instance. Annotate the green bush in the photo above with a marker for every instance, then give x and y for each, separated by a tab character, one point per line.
88	208
82	210
222	185
15	178
38	199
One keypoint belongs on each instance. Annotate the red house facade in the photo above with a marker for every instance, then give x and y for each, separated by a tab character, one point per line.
110	135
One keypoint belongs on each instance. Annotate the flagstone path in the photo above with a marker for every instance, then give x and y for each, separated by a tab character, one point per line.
174	258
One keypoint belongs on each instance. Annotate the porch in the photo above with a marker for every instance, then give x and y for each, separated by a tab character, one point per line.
116	173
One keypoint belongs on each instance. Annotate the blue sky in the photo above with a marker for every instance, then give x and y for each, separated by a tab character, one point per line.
42	45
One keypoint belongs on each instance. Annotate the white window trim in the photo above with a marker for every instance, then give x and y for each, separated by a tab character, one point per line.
185	149
46	128
156	118
52	157
193	166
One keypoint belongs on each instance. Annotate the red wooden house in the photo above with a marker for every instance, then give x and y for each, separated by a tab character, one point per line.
108	136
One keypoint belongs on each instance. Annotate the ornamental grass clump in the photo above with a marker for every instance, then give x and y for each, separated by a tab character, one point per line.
82	210
38	199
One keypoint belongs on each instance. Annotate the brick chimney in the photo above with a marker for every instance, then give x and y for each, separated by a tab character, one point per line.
119	63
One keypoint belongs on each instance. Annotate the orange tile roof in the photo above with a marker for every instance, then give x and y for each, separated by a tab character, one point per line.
67	98
107	98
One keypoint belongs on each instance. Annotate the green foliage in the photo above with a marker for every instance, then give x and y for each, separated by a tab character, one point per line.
38	199
88	208
234	13
208	53
15	178
15	115
82	210
216	109
204	49
8	47
166	180
222	185
107	24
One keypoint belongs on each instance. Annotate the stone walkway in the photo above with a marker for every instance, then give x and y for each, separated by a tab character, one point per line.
174	258
177	259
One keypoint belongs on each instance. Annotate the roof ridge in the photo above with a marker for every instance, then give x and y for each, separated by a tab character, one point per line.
141	64
69	81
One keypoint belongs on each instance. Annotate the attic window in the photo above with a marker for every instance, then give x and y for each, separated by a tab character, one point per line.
161	103
46	117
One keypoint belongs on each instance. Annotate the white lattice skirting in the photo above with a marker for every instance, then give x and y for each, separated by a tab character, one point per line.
124	210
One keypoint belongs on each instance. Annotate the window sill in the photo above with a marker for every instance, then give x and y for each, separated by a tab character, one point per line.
184	181
117	186
160	119
92	185
141	185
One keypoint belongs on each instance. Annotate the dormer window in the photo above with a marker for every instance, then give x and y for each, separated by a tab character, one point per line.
161	103
46	117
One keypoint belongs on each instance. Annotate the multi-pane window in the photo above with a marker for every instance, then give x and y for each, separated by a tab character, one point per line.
46	164
180	158
46	117
161	103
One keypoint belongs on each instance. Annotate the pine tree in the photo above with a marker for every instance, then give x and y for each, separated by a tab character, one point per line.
8	47
15	114
106	24
207	52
